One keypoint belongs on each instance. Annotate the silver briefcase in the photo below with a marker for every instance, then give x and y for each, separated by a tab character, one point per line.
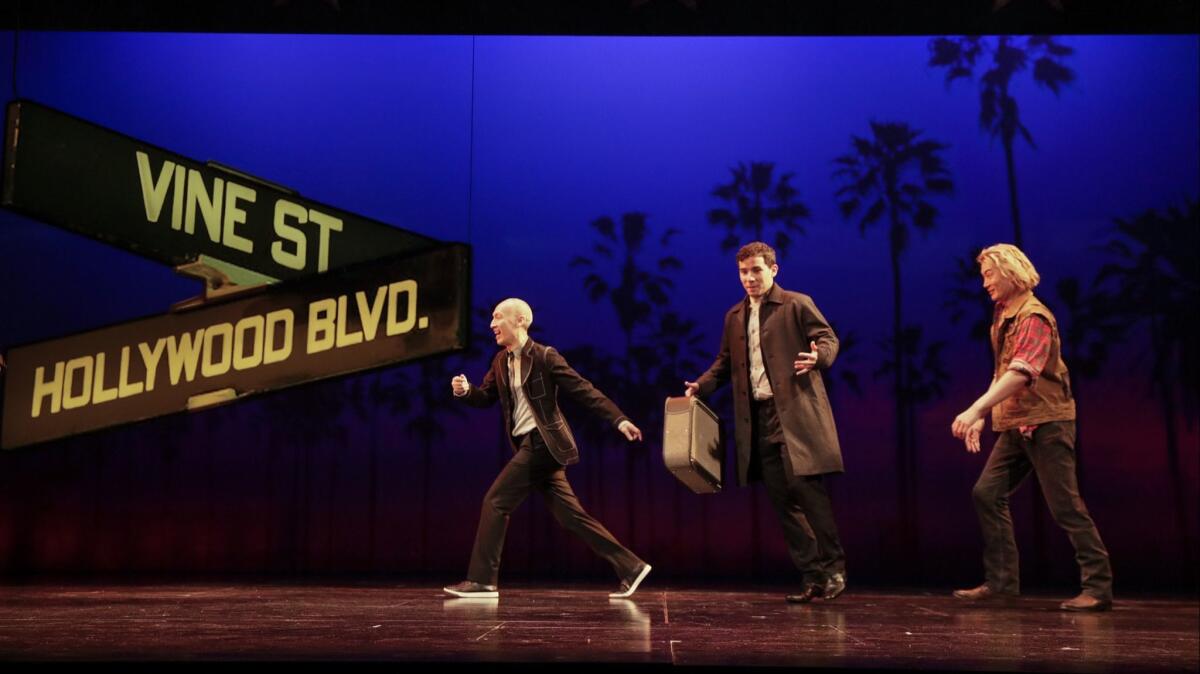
692	444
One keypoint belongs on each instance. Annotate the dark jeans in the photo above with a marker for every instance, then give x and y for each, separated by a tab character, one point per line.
800	501
532	467
1051	453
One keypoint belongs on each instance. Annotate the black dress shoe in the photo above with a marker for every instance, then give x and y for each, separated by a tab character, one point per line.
834	585
809	593
982	593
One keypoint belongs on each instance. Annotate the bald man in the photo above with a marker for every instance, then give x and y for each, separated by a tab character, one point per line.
526	377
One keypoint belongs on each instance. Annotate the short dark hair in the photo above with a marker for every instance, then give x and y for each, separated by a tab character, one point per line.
755	249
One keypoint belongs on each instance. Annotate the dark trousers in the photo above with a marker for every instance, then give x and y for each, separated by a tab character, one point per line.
800	501
1051	453
533	468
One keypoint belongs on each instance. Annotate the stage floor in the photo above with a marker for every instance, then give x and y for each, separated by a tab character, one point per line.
671	625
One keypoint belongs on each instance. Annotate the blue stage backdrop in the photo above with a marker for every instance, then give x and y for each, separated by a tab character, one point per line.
524	148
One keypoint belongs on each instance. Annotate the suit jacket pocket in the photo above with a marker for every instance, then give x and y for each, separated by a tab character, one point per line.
537	387
558	435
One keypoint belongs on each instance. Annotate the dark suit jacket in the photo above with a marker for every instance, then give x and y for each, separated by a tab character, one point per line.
544	372
788	321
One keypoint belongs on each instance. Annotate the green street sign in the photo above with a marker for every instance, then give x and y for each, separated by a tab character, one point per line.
353	318
73	174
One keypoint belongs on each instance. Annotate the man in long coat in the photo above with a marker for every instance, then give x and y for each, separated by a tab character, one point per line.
773	347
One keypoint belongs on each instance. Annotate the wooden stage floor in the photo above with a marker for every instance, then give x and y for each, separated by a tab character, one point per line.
661	626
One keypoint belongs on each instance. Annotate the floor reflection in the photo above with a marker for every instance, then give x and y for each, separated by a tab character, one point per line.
635	623
525	623
472	608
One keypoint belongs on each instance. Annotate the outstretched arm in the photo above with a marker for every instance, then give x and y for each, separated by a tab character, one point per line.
583	392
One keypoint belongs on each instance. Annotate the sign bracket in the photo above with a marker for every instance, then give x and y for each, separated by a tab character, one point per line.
222	280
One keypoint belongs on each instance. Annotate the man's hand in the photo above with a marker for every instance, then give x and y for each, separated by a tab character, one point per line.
964	421
691	388
630	431
1001	389
972	438
460	385
806	361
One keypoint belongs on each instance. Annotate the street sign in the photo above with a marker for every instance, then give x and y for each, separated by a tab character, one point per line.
353	318
71	173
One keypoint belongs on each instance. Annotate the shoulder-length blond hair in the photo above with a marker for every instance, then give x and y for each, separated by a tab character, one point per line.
1012	265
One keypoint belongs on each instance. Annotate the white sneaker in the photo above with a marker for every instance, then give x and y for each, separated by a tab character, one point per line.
629	586
469	588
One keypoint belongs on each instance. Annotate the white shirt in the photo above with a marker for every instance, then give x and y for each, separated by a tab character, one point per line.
522	416
760	386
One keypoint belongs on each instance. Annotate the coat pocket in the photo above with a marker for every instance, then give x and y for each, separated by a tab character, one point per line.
537	387
558	435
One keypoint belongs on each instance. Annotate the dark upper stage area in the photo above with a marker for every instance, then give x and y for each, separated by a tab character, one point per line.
612	17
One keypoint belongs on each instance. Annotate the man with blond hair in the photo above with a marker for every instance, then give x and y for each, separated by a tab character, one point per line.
526	378
1033	414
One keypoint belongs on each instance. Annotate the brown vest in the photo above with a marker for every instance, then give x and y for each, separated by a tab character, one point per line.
1049	399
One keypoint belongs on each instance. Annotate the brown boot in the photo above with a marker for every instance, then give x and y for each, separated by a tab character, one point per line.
982	593
1086	602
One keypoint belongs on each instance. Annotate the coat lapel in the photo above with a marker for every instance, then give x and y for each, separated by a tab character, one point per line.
502	384
526	364
770	303
739	322
738	360
502	368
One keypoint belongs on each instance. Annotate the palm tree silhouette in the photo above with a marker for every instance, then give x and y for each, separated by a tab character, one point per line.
925	379
1090	328
365	397
844	372
420	394
847	356
678	350
1156	275
634	292
890	176
386	396
966	301
300	419
998	110
754	203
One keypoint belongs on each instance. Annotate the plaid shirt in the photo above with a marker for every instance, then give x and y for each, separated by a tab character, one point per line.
1032	349
1030	354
